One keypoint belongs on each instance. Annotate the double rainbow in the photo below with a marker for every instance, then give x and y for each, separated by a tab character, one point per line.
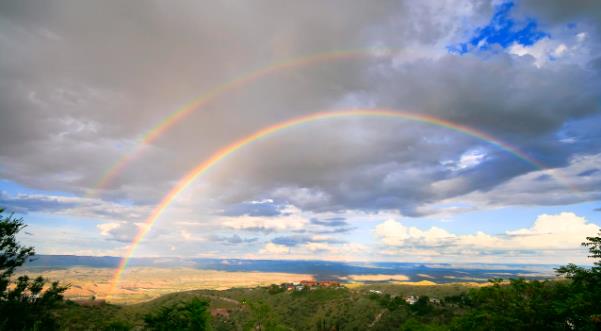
211	95
224	152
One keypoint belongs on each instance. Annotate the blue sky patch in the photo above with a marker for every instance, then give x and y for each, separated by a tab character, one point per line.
502	30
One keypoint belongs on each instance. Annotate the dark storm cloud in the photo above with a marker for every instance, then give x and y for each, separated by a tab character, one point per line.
562	11
81	82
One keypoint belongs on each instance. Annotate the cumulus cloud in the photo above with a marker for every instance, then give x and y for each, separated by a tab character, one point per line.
548	235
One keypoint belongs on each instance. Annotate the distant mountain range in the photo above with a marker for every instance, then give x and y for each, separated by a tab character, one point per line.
437	272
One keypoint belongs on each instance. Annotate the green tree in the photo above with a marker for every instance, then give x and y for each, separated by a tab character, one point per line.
263	318
192	315
24	304
583	302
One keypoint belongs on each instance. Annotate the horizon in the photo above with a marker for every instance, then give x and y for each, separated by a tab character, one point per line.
438	132
302	260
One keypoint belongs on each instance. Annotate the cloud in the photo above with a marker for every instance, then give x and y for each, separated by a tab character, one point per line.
271	248
71	206
121	231
526	189
296	240
80	119
254	208
562	12
106	228
549	235
266	225
234	239
330	222
94	121
561	231
393	233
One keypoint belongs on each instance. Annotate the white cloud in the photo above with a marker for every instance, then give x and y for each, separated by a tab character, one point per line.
119	231
106	228
567	48
549	235
393	233
291	219
561	231
264	224
271	248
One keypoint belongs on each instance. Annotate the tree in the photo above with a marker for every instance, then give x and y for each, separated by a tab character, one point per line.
263	318
192	315
583	305
24	304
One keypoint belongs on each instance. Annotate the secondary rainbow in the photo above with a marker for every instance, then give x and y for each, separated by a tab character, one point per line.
175	117
224	152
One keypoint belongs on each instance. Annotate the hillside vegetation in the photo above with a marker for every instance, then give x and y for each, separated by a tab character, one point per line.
572	302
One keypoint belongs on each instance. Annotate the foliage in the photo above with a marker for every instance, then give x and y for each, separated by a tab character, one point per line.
582	305
413	324
191	315
24	304
262	317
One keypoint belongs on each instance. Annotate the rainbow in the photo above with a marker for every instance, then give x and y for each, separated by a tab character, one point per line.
175	117
224	152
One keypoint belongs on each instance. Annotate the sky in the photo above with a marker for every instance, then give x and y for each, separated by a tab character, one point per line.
106	106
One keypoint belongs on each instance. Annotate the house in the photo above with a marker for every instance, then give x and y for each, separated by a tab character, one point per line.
435	301
375	291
